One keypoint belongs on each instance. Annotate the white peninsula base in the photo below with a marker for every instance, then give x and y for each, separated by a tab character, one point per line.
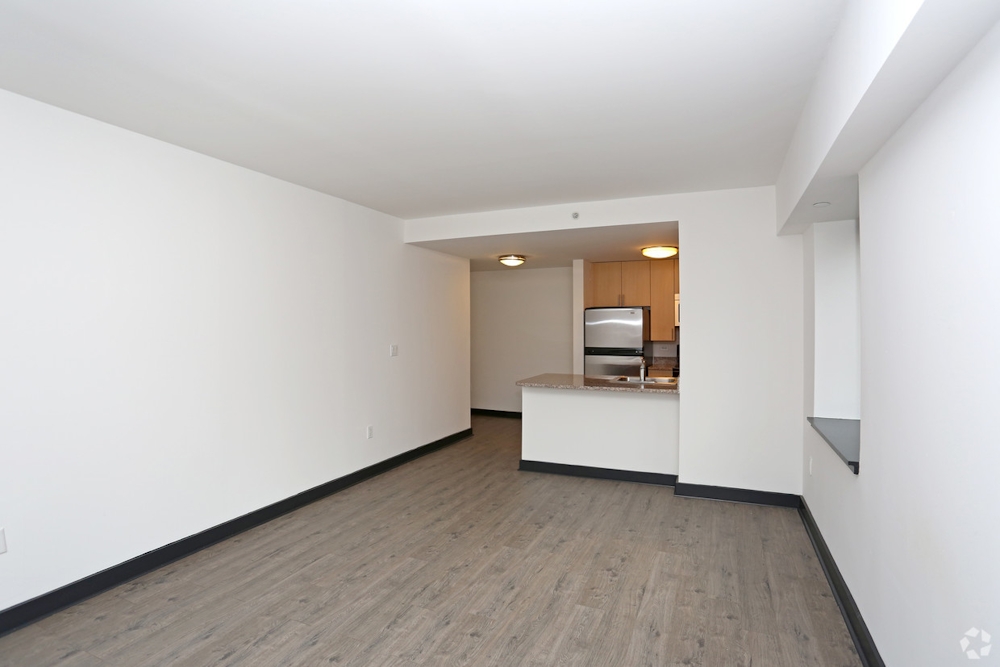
615	430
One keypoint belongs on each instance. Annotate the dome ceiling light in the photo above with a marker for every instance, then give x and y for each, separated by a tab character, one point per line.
511	260
659	251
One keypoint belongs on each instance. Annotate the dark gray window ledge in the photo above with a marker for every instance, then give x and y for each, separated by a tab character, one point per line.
843	435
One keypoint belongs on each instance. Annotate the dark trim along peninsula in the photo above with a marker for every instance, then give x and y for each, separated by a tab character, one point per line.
863	641
49	603
496	413
661	479
737	495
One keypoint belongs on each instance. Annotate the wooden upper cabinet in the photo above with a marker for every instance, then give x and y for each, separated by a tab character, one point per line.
635	283
618	284
662	287
605	285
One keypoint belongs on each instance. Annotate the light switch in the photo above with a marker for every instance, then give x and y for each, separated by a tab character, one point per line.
3	542
393	350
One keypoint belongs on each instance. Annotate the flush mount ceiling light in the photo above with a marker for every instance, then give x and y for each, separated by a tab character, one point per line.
659	251
821	204
512	260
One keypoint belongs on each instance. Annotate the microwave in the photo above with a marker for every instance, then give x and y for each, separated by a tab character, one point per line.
677	310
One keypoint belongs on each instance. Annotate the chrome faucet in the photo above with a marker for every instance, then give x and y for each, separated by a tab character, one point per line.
642	369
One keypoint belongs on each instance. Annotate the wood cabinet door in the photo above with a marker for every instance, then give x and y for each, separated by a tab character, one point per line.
661	293
606	284
635	283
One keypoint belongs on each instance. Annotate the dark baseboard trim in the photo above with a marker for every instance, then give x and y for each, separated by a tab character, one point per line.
737	495
661	479
496	413
49	603
863	641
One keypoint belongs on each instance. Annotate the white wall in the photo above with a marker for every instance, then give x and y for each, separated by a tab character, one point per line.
837	328
886	57
915	534
866	36
522	325
741	391
183	341
579	301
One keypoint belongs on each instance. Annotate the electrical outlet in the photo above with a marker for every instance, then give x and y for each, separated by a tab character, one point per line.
370	432
394	350
3	542
810	466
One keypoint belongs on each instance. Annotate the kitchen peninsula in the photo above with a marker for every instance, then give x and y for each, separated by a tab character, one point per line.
574	424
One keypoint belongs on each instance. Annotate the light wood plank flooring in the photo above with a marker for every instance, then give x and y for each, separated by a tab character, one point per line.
459	559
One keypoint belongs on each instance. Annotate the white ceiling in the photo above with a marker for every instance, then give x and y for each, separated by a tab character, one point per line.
559	248
423	107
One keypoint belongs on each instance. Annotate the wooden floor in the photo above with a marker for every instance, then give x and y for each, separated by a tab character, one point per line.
459	559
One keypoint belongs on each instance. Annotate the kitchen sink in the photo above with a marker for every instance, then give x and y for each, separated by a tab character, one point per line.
634	379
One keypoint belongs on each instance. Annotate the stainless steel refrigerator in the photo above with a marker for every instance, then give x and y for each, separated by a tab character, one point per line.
614	340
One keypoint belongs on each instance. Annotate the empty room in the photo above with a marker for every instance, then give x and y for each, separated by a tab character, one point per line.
349	333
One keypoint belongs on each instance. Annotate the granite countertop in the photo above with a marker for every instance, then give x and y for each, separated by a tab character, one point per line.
569	381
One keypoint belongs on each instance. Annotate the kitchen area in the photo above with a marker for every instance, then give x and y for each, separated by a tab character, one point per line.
739	427
739	430
619	419
576	332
